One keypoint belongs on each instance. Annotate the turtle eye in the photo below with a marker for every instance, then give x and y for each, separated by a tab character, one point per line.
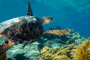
6	42
50	18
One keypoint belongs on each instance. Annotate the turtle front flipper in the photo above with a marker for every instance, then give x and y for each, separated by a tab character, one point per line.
58	32
5	46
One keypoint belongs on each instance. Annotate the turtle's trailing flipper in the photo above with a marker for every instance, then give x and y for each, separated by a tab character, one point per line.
29	11
58	32
5	46
3	56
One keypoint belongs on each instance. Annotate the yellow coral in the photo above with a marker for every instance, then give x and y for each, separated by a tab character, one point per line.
47	53
61	58
54	53
66	50
83	51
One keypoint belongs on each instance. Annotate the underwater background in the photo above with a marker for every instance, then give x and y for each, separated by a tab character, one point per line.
72	14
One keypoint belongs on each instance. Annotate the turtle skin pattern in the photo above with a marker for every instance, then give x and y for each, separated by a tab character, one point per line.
22	29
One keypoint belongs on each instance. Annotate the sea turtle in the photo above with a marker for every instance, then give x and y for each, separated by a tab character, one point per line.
25	29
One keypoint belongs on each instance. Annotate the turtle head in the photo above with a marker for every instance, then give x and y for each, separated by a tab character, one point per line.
46	20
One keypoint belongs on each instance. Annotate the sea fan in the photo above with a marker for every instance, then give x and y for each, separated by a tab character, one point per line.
82	52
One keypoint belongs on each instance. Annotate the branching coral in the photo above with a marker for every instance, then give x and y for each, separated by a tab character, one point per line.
53	53
47	53
66	52
64	57
82	52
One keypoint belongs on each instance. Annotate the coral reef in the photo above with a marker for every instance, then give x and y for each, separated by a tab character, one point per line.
53	53
47	53
30	51
67	52
82	52
59	45
64	57
75	38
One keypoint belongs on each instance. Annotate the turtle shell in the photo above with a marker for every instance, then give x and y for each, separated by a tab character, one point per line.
22	29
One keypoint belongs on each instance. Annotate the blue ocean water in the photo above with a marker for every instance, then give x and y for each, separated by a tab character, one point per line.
72	14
